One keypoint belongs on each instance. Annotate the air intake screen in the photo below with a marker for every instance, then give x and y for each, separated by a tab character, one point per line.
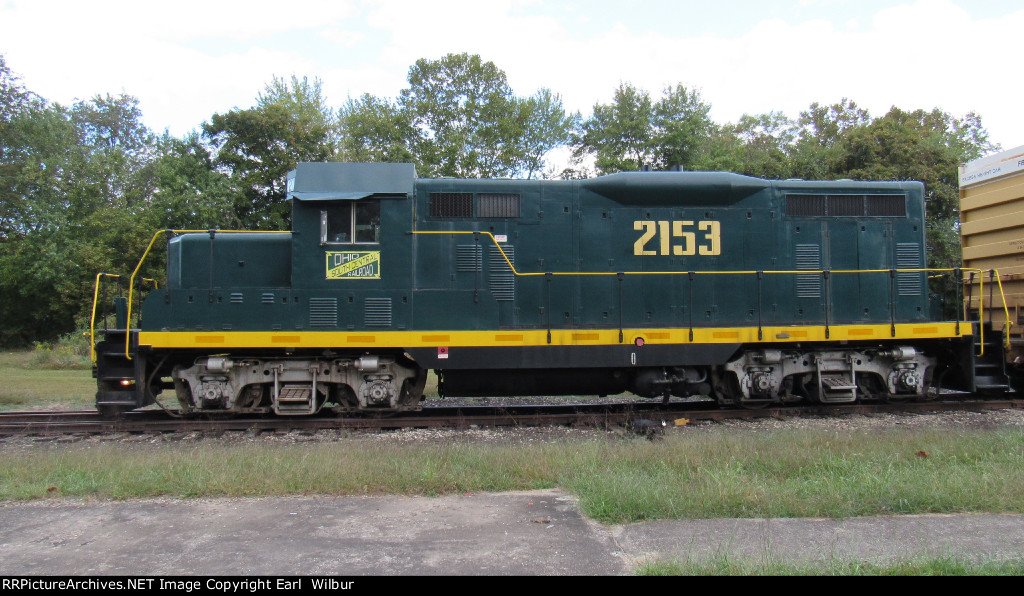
798	205
451	204
887	205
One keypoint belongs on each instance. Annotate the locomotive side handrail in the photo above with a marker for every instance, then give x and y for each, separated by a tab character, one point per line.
518	273
92	319
131	282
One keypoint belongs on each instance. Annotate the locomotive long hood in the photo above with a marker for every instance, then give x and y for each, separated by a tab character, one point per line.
675	188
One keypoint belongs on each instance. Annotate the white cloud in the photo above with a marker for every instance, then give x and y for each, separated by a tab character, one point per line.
190	59
345	39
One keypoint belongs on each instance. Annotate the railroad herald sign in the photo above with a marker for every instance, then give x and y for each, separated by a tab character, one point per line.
353	265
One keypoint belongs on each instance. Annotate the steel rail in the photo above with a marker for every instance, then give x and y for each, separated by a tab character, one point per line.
461	417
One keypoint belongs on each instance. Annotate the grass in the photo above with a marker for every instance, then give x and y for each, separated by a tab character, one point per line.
25	384
706	474
725	565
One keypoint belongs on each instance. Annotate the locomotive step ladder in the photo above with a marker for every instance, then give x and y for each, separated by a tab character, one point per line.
295	400
990	368
837	387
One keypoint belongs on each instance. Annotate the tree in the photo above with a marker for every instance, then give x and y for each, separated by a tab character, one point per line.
819	129
681	127
458	117
376	130
78	180
14	100
259	146
619	135
767	140
634	132
548	126
190	193
467	120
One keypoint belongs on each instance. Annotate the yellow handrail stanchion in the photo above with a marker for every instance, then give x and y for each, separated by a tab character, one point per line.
92	319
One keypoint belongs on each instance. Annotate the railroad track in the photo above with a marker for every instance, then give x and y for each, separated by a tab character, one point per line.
592	415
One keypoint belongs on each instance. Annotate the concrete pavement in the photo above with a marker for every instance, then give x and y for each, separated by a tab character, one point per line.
522	533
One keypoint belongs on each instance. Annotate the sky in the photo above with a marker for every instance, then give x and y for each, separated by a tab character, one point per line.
189	59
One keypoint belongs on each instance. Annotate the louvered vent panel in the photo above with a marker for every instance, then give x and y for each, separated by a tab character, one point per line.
377	312
908	256
808	285
267	298
468	257
497	205
237	298
502	278
323	312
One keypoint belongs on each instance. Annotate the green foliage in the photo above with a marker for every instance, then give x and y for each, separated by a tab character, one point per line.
634	132
191	194
72	351
548	126
465	116
375	130
259	146
458	117
620	135
918	145
79	180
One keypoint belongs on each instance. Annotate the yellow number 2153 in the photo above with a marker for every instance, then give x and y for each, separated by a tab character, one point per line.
675	238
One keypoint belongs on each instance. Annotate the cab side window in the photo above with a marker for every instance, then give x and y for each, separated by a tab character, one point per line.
367	221
347	222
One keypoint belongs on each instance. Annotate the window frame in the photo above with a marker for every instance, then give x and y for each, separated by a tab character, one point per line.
353	227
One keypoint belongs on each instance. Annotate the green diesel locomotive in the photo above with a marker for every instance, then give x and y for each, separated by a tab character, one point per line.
660	283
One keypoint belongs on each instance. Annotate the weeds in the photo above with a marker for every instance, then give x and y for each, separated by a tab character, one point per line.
705	475
722	565
70	352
